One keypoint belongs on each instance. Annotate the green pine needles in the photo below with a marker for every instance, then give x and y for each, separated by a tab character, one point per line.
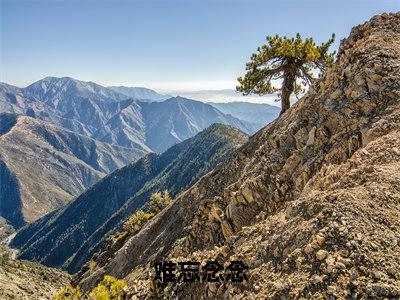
291	60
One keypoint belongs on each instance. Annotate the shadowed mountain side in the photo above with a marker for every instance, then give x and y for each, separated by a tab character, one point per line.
176	119
10	197
56	241
52	165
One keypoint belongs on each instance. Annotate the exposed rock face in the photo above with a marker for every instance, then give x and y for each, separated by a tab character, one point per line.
311	203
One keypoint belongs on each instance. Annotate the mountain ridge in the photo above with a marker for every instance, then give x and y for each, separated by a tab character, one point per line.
310	203
108	116
124	191
50	165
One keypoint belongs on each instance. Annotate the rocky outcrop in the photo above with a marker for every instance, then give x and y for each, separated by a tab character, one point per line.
311	203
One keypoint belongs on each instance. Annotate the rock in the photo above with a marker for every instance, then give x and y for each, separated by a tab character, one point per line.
331	290
321	254
311	137
308	249
376	77
320	240
336	94
247	194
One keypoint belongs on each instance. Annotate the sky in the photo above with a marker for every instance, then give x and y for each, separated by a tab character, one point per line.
165	45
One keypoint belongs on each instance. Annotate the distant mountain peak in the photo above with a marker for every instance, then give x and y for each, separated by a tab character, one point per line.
140	93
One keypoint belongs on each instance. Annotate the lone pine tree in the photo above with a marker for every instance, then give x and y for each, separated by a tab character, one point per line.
291	60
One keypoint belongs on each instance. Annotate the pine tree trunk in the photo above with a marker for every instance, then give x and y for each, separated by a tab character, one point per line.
287	87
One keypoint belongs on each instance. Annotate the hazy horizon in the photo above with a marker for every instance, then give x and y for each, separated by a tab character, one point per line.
184	46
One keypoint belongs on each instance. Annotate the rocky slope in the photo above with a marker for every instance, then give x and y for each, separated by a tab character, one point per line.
69	237
108	116
311	203
43	167
26	280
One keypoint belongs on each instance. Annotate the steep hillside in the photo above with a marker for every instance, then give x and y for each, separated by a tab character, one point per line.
108	116
259	115
70	236
43	167
311	203
26	280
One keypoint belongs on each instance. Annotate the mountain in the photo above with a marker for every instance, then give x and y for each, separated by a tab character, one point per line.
108	116
69	237
57	92
254	113
140	93
310	203
224	95
176	119
43	167
27	280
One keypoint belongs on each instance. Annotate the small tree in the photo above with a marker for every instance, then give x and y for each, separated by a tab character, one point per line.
289	59
158	201
136	221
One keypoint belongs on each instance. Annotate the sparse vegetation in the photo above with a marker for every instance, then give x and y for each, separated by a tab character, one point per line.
69	293
136	221
110	288
158	201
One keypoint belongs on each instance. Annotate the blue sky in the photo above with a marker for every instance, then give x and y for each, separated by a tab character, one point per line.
167	45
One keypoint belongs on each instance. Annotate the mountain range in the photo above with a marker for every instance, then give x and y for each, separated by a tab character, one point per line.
109	116
43	167
67	238
144	94
59	136
259	115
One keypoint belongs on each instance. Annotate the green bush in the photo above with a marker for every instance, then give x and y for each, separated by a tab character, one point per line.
109	289
158	201
136	221
69	293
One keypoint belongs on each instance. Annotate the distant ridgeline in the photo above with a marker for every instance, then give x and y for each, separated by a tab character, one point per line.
59	136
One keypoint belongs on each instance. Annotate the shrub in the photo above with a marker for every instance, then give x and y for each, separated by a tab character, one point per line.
136	221
158	201
109	289
69	293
